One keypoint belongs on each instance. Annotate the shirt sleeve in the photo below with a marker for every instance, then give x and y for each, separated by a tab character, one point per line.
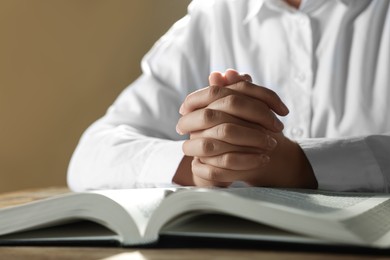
353	164
135	143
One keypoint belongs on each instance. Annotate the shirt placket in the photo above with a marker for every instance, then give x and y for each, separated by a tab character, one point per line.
299	32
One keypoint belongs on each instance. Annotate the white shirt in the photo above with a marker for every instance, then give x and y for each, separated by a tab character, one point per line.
329	61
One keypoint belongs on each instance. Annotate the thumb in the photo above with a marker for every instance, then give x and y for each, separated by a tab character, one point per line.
232	77
216	78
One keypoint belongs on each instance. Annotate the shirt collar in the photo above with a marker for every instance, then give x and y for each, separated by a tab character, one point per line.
257	5
254	7
307	6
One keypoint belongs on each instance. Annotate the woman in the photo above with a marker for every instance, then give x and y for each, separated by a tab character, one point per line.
327	60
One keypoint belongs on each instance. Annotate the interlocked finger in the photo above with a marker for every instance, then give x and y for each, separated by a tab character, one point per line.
236	161
203	147
238	135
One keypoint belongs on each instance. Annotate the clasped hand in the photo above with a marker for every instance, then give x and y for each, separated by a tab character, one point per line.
235	135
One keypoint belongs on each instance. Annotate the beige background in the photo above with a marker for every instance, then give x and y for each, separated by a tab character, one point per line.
62	63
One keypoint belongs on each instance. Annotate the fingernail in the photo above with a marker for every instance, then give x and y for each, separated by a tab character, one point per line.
264	158
271	142
181	109
284	109
278	125
247	77
178	130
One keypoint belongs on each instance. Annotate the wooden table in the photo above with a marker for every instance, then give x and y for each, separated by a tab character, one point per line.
32	253
112	253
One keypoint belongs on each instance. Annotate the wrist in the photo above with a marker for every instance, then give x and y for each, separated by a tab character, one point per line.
301	167
183	175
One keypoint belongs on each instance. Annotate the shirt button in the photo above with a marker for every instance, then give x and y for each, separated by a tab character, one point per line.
300	77
296	132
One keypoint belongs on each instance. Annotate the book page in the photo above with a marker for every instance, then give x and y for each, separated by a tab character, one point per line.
229	227
308	200
360	218
73	233
372	224
139	203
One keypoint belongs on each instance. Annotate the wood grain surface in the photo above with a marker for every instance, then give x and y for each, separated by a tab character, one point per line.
117	253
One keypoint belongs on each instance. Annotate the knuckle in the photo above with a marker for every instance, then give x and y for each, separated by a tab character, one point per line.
215	92
208	146
241	85
225	130
221	132
232	101
227	160
209	115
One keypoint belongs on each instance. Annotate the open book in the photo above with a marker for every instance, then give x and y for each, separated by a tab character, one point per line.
141	216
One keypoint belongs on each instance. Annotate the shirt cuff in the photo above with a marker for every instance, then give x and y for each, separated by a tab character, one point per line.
343	164
161	165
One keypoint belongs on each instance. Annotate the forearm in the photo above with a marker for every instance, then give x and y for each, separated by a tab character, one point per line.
110	157
350	164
